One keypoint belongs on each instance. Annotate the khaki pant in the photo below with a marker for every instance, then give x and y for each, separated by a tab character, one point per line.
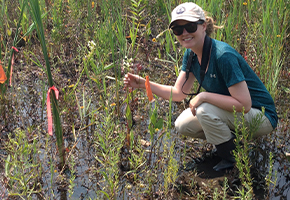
215	124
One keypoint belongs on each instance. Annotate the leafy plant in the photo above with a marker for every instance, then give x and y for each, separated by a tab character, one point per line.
72	177
242	159
170	173
108	145
22	167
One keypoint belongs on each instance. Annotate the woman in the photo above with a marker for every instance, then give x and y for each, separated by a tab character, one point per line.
229	83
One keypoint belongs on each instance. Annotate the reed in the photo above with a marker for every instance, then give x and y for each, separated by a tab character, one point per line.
35	10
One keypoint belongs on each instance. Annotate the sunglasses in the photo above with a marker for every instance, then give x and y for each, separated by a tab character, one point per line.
189	27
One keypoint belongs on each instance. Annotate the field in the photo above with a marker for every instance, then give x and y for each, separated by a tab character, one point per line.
108	142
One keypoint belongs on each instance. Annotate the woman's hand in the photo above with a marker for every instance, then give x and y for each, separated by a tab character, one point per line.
240	99
134	81
196	101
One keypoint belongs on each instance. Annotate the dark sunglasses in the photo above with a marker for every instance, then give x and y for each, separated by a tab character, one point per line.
189	27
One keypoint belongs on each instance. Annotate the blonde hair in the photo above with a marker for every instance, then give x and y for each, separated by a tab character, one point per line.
210	26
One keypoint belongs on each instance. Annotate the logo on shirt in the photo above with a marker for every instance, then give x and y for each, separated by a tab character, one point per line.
212	75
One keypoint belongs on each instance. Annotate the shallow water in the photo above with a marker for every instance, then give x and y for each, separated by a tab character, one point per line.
29	113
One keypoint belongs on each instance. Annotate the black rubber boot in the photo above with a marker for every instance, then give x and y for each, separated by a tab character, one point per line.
224	151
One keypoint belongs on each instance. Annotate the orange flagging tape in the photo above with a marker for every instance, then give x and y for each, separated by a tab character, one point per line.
148	89
3	77
49	116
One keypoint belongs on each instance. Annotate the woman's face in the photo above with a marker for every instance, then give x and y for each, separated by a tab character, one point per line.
191	40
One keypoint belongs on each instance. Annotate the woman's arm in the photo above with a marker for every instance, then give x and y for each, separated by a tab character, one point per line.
240	98
160	90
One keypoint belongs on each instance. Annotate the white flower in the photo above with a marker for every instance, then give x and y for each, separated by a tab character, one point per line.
91	45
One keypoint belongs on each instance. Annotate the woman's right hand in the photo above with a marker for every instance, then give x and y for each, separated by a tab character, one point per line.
134	81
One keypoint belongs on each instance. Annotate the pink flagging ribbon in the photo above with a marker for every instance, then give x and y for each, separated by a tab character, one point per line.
49	116
12	63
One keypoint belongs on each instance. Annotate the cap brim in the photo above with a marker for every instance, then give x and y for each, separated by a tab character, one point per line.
186	18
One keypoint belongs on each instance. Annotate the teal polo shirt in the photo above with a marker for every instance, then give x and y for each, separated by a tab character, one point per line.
226	68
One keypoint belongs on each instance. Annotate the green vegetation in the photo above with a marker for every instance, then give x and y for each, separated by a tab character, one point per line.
111	143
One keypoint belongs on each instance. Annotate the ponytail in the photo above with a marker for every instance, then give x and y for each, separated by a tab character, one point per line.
210	26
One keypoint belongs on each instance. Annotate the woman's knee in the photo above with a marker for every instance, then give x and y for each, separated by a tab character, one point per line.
188	125
180	125
205	110
216	130
184	129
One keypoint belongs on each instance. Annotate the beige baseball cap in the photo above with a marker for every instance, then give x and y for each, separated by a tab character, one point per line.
187	11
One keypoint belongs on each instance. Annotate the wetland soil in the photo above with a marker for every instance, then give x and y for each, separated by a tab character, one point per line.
23	109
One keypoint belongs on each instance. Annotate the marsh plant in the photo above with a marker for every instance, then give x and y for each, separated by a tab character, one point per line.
84	48
23	168
270	181
170	172
36	12
244	138
108	144
72	176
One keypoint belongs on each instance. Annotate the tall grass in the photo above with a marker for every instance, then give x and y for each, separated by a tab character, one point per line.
263	38
35	11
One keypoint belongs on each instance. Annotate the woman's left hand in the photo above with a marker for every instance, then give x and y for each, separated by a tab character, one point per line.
196	101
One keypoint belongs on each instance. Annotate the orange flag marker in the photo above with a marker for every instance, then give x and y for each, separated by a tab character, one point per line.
3	77
148	89
49	116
